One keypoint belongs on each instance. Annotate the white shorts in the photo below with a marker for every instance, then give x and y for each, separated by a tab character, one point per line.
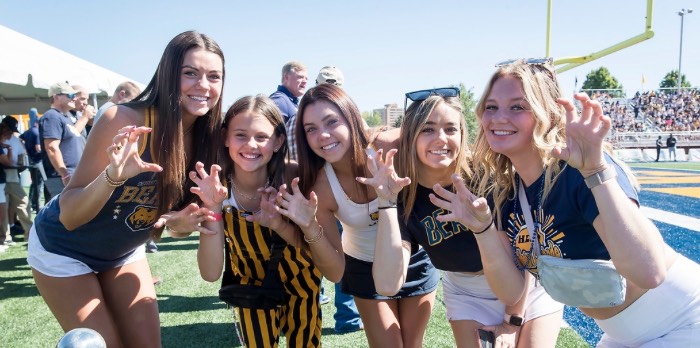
666	316
3	196
469	297
60	266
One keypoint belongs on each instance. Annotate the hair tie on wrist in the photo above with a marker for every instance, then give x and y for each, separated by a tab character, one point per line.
217	217
485	229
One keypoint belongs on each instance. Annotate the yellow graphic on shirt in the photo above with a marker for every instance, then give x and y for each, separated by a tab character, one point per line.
547	237
144	214
142	217
436	231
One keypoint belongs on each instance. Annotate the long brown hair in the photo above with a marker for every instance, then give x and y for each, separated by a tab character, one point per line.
309	162
265	107
163	94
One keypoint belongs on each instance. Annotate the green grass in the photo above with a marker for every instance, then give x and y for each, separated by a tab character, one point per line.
191	314
666	165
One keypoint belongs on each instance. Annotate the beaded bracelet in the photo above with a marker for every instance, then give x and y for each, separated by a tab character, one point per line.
111	182
485	229
315	238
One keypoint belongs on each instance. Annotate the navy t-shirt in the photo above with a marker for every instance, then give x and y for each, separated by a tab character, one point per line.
55	125
450	245
31	139
565	218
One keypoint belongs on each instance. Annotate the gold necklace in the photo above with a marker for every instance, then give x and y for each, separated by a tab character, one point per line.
237	191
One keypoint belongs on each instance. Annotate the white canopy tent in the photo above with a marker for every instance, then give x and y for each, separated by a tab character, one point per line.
28	67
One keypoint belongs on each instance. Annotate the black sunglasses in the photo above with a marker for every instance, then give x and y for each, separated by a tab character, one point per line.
445	92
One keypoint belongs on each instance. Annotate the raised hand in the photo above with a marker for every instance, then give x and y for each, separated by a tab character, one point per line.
584	135
295	206
124	159
462	206
183	222
268	216
384	179
209	188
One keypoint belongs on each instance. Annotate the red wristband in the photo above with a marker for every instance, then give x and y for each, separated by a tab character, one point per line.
217	217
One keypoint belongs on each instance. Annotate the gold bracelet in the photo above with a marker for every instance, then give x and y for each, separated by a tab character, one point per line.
111	182
315	238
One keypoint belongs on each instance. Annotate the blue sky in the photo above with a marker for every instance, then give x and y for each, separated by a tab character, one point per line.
384	48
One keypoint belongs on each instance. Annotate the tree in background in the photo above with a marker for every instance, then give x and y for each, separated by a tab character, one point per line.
671	80
373	119
602	79
468	105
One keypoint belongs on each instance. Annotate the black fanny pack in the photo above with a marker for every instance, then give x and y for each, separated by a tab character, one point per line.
269	295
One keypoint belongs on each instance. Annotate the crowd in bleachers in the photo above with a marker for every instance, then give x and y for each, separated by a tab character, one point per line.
656	111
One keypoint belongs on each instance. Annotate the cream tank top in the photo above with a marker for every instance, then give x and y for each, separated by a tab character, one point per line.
359	221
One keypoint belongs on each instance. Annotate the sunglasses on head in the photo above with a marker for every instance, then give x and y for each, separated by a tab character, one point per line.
416	96
529	61
545	64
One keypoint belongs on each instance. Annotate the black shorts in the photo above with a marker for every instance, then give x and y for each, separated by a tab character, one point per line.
421	278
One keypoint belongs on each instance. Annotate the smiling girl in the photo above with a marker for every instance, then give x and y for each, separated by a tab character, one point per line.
256	148
331	143
87	255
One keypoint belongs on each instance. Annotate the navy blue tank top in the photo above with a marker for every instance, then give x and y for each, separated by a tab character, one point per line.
121	226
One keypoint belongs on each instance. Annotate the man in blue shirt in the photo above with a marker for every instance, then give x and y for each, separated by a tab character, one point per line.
287	96
63	144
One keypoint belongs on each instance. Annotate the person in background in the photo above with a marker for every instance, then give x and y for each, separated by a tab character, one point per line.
125	92
671	145
286	97
346	317
83	113
17	198
62	143
584	201
659	144
5	155
32	145
86	246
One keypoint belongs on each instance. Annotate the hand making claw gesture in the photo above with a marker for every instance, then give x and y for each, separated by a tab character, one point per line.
462	206
584	135
384	179
295	206
124	159
209	187
268	216
210	191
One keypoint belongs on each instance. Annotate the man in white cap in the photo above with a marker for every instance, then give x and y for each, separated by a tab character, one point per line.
63	145
330	74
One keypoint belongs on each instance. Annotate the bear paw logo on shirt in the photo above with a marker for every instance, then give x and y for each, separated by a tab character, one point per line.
142	217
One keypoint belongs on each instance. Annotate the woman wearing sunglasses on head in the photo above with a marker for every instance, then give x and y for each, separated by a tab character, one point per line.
434	152
331	145
546	167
